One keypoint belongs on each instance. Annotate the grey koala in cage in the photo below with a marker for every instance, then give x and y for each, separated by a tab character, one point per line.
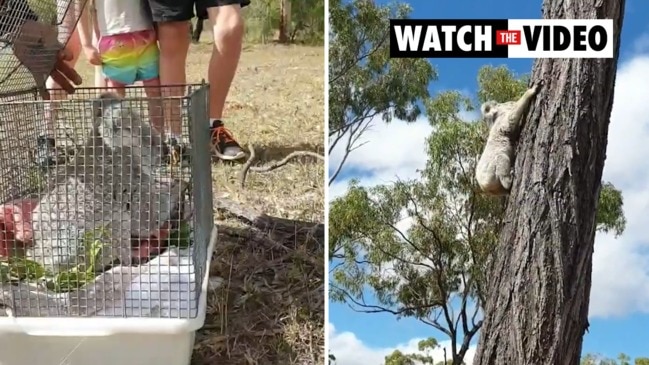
494	169
109	187
155	203
150	200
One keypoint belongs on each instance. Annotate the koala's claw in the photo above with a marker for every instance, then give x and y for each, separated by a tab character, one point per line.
537	85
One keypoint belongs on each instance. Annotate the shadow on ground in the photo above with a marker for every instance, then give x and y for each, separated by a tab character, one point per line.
243	317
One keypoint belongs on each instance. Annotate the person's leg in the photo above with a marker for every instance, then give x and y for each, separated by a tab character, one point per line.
228	28
46	153
172	21
100	80
154	104
148	72
74	45
117	87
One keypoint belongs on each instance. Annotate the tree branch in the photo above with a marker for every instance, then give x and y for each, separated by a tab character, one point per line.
359	58
354	131
271	166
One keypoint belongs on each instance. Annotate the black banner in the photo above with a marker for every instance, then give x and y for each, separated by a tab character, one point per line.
437	31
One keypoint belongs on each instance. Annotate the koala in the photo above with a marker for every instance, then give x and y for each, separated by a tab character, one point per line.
65	215
137	147
494	169
121	131
154	204
102	187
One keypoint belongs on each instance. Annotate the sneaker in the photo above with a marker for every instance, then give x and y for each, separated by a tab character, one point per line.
224	144
46	154
175	152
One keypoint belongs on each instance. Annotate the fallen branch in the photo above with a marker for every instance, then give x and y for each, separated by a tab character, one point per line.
246	167
277	229
272	166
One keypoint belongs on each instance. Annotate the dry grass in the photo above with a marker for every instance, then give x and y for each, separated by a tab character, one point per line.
270	309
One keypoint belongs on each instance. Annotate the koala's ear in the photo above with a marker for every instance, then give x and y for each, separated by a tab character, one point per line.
105	99
486	107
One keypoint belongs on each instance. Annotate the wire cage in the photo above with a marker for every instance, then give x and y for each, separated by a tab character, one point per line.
31	34
105	223
119	224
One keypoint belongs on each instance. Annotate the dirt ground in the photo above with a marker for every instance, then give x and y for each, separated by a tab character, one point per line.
270	308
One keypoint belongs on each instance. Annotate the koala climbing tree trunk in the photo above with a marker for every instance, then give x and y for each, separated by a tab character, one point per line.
536	309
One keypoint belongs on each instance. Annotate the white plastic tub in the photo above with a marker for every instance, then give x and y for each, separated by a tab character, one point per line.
103	340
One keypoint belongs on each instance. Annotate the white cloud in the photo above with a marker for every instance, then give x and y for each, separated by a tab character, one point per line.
392	151
472	115
621	266
350	350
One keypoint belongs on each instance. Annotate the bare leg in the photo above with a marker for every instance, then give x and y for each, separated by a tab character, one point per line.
67	32
100	80
74	45
47	153
153	94
116	87
228	28
227	25
174	45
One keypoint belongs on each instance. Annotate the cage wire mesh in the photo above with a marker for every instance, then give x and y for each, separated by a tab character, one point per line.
31	34
120	226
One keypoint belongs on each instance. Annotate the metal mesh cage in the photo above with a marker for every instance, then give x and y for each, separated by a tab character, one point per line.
31	34
120	226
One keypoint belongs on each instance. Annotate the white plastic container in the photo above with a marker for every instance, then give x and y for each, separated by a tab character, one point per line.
103	340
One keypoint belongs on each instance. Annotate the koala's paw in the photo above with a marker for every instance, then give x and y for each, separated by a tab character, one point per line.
506	182
537	85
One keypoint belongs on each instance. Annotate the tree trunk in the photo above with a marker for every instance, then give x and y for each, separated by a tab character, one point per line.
284	21
538	294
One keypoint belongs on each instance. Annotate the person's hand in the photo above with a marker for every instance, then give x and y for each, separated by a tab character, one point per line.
38	49
92	54
63	74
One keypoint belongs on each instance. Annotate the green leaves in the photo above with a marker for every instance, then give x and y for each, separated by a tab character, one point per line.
500	84
82	274
424	356
181	237
365	84
364	81
46	10
610	214
16	269
622	359
399	358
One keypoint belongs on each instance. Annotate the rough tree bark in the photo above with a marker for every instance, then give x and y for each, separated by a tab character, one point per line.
538	295
284	21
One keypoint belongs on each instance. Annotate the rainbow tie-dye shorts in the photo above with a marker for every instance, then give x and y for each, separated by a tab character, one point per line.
130	57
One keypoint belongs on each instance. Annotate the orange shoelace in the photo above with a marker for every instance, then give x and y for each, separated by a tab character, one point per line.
220	135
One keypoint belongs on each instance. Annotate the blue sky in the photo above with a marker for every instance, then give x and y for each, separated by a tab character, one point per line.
618	318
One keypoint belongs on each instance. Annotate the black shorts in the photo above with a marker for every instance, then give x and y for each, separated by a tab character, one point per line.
182	10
